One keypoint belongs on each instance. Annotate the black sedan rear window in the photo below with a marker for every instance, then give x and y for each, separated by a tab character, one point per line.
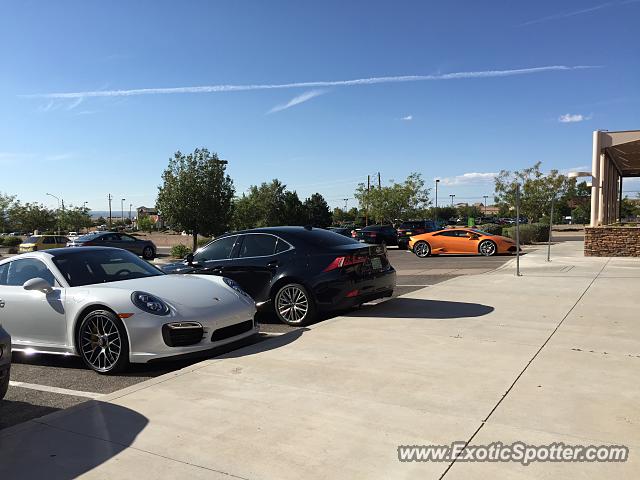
322	238
90	267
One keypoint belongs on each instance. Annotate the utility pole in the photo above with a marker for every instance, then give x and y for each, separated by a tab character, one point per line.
379	182
122	209
452	195
485	204
517	229
436	214
130	205
366	210
110	197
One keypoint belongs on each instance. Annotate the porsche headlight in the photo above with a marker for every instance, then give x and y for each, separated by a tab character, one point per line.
235	285
150	304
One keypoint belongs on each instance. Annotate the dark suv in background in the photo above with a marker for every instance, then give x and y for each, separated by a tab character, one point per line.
378	234
414	227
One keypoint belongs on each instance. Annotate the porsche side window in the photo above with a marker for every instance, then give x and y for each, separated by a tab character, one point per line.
21	270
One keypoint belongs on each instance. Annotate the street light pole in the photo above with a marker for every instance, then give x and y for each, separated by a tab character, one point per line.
550	230
485	204
110	197
122	210
436	213
452	195
58	213
130	205
517	229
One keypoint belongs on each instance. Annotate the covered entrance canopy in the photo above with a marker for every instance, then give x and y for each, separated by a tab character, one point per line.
615	155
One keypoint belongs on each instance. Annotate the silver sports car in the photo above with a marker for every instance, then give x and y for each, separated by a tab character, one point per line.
110	307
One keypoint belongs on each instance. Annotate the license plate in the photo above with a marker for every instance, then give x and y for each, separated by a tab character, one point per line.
376	263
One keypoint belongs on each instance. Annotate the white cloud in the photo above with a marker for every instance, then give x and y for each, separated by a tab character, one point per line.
408	118
469	179
75	103
315	84
573	118
305	97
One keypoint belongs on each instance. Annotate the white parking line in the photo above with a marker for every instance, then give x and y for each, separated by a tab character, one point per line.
63	391
414	285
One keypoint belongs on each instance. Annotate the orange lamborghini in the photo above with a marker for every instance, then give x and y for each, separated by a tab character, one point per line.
460	241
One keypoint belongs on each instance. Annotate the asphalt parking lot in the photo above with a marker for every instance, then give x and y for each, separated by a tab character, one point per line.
41	384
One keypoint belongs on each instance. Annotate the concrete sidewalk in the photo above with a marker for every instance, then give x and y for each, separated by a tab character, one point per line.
552	356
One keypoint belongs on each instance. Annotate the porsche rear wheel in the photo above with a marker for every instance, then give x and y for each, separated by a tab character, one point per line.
103	343
487	248
422	249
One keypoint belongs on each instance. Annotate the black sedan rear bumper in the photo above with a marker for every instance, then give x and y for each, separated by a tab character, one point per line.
346	292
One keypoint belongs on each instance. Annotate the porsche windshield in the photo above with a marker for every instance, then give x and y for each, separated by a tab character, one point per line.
89	267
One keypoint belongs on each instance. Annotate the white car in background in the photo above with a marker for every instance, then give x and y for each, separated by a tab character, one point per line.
110	307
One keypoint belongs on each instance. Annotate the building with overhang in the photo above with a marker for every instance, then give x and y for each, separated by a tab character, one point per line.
616	156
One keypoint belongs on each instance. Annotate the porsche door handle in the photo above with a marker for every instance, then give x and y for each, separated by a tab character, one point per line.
2	303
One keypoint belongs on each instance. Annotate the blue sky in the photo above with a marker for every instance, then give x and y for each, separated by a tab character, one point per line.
317	130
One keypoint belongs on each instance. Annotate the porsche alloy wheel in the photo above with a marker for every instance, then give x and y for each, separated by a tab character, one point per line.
102	342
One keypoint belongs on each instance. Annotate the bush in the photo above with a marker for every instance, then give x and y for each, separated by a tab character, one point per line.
11	241
529	233
180	251
203	241
492	228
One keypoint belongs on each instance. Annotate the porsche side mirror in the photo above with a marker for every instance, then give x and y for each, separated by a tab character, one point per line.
39	284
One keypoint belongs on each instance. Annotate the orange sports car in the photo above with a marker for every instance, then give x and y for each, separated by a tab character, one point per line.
460	241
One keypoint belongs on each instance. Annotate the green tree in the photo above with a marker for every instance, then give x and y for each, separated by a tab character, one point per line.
32	216
6	202
396	201
196	194
267	205
75	218
341	217
145	224
318	211
536	190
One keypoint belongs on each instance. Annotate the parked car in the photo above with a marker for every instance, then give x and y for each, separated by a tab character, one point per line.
5	360
460	241
414	227
42	242
297	271
144	248
341	231
111	308
72	235
378	234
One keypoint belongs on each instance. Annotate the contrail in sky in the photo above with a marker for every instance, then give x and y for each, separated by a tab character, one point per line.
316	84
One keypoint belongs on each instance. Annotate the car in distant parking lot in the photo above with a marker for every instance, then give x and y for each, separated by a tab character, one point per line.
5	360
297	271
144	248
42	242
414	227
346	231
378	234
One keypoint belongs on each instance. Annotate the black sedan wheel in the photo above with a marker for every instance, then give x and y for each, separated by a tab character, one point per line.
103	343
294	305
147	253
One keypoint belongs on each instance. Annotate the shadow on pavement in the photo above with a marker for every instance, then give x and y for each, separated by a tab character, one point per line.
266	344
418	308
13	412
102	431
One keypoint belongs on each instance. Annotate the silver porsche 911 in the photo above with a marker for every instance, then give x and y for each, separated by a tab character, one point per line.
110	307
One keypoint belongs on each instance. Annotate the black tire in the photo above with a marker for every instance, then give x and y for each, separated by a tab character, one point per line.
290	295
487	248
422	249
97	345
4	384
148	253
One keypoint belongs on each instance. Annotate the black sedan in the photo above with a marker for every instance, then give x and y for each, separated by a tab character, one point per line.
297	271
144	248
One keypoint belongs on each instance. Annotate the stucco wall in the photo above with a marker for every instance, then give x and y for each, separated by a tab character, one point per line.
612	242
